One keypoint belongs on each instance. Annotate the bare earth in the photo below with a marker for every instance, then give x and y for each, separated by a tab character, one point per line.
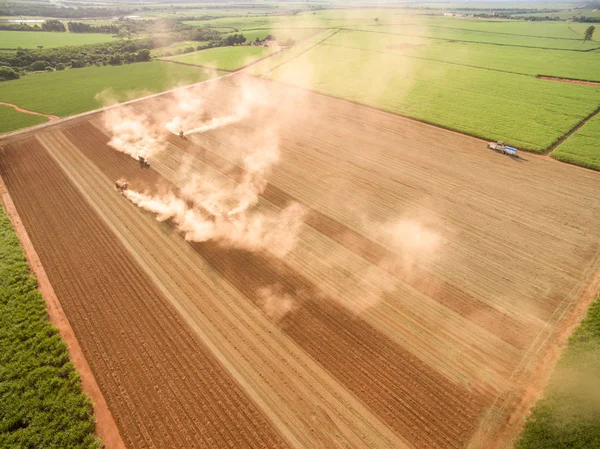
383	348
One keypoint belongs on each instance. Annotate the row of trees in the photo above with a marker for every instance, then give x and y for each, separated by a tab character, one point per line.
80	27
115	53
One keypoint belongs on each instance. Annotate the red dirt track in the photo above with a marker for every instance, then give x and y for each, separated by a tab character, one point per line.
176	332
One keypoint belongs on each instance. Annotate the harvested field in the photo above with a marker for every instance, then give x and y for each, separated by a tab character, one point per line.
429	279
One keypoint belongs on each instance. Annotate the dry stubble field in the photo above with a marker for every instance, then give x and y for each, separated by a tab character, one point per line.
430	278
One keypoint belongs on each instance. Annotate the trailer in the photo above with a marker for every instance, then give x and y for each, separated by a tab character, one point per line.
504	149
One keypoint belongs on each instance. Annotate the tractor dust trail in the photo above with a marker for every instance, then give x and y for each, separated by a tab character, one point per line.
205	208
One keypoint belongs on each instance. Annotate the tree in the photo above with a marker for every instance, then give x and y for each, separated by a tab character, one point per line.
589	33
54	25
143	55
8	73
38	66
116	59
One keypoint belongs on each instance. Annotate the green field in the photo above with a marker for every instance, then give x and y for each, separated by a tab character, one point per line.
73	91
529	61
32	39
527	112
175	48
583	147
568	416
224	58
281	34
40	391
11	120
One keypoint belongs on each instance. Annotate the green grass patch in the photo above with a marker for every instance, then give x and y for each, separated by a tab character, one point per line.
175	48
524	111
568	416
11	119
583	147
33	39
530	61
40	391
225	58
73	91
281	34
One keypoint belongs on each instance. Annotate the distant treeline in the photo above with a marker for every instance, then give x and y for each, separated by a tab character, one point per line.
116	52
586	19
24	9
48	25
80	27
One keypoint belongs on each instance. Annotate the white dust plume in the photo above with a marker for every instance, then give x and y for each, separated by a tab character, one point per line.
131	133
275	303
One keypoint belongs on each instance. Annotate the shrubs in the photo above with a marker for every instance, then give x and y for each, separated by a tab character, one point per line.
40	391
8	73
38	66
60	66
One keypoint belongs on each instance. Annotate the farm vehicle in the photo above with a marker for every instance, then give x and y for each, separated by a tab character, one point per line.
504	149
144	163
121	186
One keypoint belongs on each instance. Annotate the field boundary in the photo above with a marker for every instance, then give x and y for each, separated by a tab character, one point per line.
302	52
106	427
541	373
406	117
430	59
568	80
572	131
36	128
469	42
194	65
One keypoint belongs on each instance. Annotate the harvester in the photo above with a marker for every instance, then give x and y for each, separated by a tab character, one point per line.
504	149
121	186
144	163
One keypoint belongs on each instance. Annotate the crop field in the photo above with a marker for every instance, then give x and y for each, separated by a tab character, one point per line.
408	303
223	58
583	147
10	119
70	92
526	111
281	34
29	39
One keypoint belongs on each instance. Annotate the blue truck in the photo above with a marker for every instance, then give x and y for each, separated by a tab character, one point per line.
504	149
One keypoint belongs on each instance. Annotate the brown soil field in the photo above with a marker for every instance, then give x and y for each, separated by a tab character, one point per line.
430	279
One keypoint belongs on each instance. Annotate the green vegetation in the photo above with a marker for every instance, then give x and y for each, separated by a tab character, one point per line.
568	416
224	58
27	39
177	48
583	147
522	110
279	34
69	92
11	119
40	391
528	61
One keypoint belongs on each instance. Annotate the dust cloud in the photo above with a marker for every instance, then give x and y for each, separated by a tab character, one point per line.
206	207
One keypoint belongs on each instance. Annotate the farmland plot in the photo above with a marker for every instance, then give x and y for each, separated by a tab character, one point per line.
411	311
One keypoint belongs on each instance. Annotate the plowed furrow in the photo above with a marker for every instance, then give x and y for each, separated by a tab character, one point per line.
372	366
126	339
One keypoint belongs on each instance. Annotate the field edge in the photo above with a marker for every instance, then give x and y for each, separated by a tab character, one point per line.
106	428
